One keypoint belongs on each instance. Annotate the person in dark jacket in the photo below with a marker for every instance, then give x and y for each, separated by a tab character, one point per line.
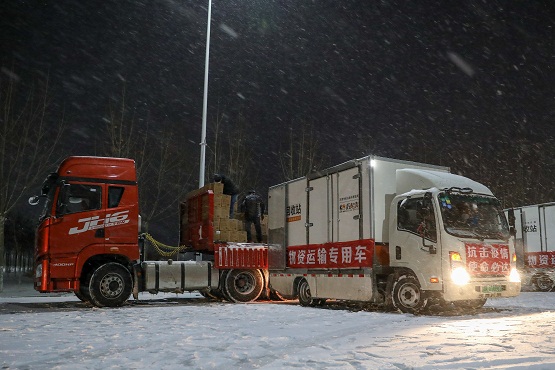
229	189
254	208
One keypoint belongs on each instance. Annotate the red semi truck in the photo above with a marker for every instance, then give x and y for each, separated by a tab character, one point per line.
374	230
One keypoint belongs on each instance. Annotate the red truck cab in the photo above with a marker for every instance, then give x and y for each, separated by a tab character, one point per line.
91	215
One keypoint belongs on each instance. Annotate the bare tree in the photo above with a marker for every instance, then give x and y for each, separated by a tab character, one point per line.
232	152
303	153
28	138
161	171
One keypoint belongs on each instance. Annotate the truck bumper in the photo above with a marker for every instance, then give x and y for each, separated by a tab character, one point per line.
481	289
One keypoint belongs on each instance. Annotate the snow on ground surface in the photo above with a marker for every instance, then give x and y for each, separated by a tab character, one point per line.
169	331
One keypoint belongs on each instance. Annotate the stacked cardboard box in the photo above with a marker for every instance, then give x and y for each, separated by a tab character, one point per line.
225	229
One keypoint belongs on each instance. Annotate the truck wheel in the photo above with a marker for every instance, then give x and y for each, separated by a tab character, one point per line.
407	295
542	283
83	295
305	297
110	285
244	286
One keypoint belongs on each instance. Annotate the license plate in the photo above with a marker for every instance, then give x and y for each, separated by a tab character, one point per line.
492	289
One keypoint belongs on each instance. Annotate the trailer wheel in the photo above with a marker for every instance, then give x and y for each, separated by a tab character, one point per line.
110	285
244	286
542	283
407	295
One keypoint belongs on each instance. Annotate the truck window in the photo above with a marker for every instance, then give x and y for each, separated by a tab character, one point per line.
416	215
114	196
473	215
82	198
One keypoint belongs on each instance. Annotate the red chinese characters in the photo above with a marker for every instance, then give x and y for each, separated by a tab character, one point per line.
488	259
353	254
540	259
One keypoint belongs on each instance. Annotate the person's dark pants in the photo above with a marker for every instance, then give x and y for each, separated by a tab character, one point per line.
257	227
232	205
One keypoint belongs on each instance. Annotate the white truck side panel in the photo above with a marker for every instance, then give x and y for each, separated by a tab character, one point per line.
548	227
531	235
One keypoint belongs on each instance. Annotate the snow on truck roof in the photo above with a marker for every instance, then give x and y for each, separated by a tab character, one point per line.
417	179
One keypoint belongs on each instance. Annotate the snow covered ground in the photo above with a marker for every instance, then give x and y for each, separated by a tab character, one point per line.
188	332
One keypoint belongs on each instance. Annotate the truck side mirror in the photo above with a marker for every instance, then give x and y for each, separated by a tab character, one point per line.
511	214
62	200
512	231
34	200
512	222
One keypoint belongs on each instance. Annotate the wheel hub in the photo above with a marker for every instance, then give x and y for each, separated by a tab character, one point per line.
111	286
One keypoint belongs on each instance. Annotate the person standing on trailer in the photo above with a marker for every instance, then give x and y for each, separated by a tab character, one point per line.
253	207
229	189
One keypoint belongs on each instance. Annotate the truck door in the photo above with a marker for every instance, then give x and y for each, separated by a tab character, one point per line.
319	211
79	223
122	215
414	240
346	200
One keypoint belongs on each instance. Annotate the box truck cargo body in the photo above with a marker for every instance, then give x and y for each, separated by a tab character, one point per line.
534	238
378	230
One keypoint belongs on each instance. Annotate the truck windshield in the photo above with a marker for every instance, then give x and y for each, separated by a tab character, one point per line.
473	216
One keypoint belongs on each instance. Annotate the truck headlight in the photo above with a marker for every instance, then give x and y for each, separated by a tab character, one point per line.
514	277
38	271
460	276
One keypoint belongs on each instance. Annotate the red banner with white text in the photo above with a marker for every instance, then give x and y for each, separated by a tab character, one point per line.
352	254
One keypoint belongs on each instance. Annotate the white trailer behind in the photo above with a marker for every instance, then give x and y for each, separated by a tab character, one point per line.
534	228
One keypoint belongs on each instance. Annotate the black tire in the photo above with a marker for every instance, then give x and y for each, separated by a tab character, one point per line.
407	295
470	304
305	297
111	285
84	293
542	283
242	286
84	297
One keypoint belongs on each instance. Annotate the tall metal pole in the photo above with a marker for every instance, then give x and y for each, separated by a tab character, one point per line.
205	100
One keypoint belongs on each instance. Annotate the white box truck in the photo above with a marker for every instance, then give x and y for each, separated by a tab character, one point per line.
534	242
392	233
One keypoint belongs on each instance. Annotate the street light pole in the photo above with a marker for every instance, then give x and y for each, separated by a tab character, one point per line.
205	100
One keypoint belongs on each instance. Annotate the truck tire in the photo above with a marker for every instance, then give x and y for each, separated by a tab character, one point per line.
111	285
243	286
542	283
407	295
305	297
83	295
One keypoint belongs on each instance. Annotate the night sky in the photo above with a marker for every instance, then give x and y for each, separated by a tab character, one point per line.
467	84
